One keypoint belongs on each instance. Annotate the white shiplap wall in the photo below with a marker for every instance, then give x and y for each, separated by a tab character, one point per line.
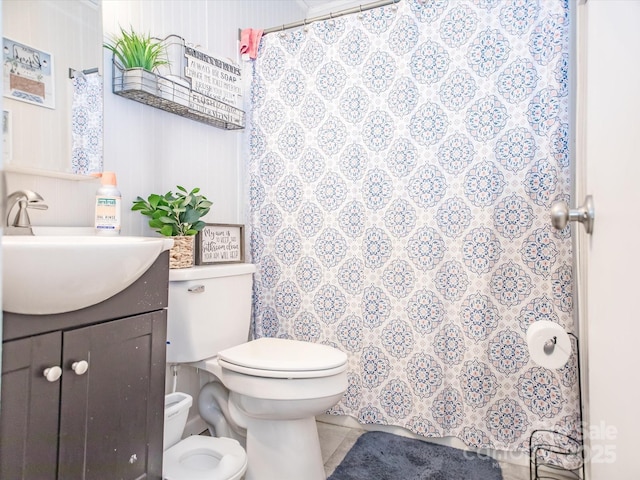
152	150
324	7
149	149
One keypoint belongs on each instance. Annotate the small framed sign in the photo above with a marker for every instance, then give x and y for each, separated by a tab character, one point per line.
27	74
220	243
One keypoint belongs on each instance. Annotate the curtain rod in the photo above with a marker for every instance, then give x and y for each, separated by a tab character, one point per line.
302	23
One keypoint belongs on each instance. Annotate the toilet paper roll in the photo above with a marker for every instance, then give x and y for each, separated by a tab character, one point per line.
549	345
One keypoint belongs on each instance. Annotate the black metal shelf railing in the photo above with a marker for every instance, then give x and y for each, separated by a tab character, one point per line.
174	97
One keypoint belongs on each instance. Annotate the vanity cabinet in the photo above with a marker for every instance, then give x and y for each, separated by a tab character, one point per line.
84	397
29	408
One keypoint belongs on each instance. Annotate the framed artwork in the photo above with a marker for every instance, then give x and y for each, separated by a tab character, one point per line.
220	243
27	74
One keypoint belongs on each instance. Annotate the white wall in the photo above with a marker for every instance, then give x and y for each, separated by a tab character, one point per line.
151	150
54	27
612	160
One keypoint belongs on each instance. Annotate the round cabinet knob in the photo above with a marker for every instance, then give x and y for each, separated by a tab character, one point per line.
80	368
52	373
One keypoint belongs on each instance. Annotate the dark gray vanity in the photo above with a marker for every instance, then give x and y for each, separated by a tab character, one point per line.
83	392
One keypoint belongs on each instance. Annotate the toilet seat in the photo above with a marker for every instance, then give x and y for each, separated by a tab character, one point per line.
283	358
204	458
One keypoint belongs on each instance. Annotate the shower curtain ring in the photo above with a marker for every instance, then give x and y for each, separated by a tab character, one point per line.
306	27
282	34
360	16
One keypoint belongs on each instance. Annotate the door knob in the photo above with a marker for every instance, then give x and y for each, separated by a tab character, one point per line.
561	214
80	368
52	373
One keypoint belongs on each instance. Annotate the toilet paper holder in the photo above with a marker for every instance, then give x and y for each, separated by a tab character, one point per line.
550	345
562	445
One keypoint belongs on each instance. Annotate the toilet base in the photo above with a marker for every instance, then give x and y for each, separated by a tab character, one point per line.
295	455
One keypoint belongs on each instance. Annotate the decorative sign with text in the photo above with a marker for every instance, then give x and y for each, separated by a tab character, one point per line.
213	78
27	74
215	108
220	243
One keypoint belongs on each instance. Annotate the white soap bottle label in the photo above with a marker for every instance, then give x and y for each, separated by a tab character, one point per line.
108	214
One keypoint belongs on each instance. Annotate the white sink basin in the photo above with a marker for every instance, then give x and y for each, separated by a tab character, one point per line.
59	273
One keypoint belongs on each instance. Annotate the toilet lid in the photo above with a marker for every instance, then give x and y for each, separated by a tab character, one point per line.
204	458
269	356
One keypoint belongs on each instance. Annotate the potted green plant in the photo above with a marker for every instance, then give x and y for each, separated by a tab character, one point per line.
176	215
138	56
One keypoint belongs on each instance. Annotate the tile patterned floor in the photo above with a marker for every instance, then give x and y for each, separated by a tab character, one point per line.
335	442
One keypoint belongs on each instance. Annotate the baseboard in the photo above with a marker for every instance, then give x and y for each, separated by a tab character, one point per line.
515	458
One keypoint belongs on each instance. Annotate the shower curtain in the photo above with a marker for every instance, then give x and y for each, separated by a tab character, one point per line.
402	165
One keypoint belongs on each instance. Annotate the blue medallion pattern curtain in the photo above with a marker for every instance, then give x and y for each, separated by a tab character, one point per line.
402	165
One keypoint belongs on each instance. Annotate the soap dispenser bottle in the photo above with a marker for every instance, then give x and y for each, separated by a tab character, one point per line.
108	206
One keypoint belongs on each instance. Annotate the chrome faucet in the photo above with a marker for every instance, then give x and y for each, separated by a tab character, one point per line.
25	199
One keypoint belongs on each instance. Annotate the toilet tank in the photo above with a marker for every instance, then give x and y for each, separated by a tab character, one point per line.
209	310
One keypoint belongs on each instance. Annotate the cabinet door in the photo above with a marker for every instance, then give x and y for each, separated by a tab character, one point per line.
29	416
111	416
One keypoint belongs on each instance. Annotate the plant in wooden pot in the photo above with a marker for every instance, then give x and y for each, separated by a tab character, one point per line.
138	56
176	215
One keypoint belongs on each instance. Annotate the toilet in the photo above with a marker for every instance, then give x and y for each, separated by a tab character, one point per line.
269	389
196	457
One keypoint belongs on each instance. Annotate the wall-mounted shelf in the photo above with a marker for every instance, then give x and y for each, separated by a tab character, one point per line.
175	97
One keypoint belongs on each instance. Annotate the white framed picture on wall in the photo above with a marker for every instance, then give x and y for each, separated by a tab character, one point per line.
27	74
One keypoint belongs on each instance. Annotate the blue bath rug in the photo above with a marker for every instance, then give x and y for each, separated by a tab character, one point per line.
383	456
